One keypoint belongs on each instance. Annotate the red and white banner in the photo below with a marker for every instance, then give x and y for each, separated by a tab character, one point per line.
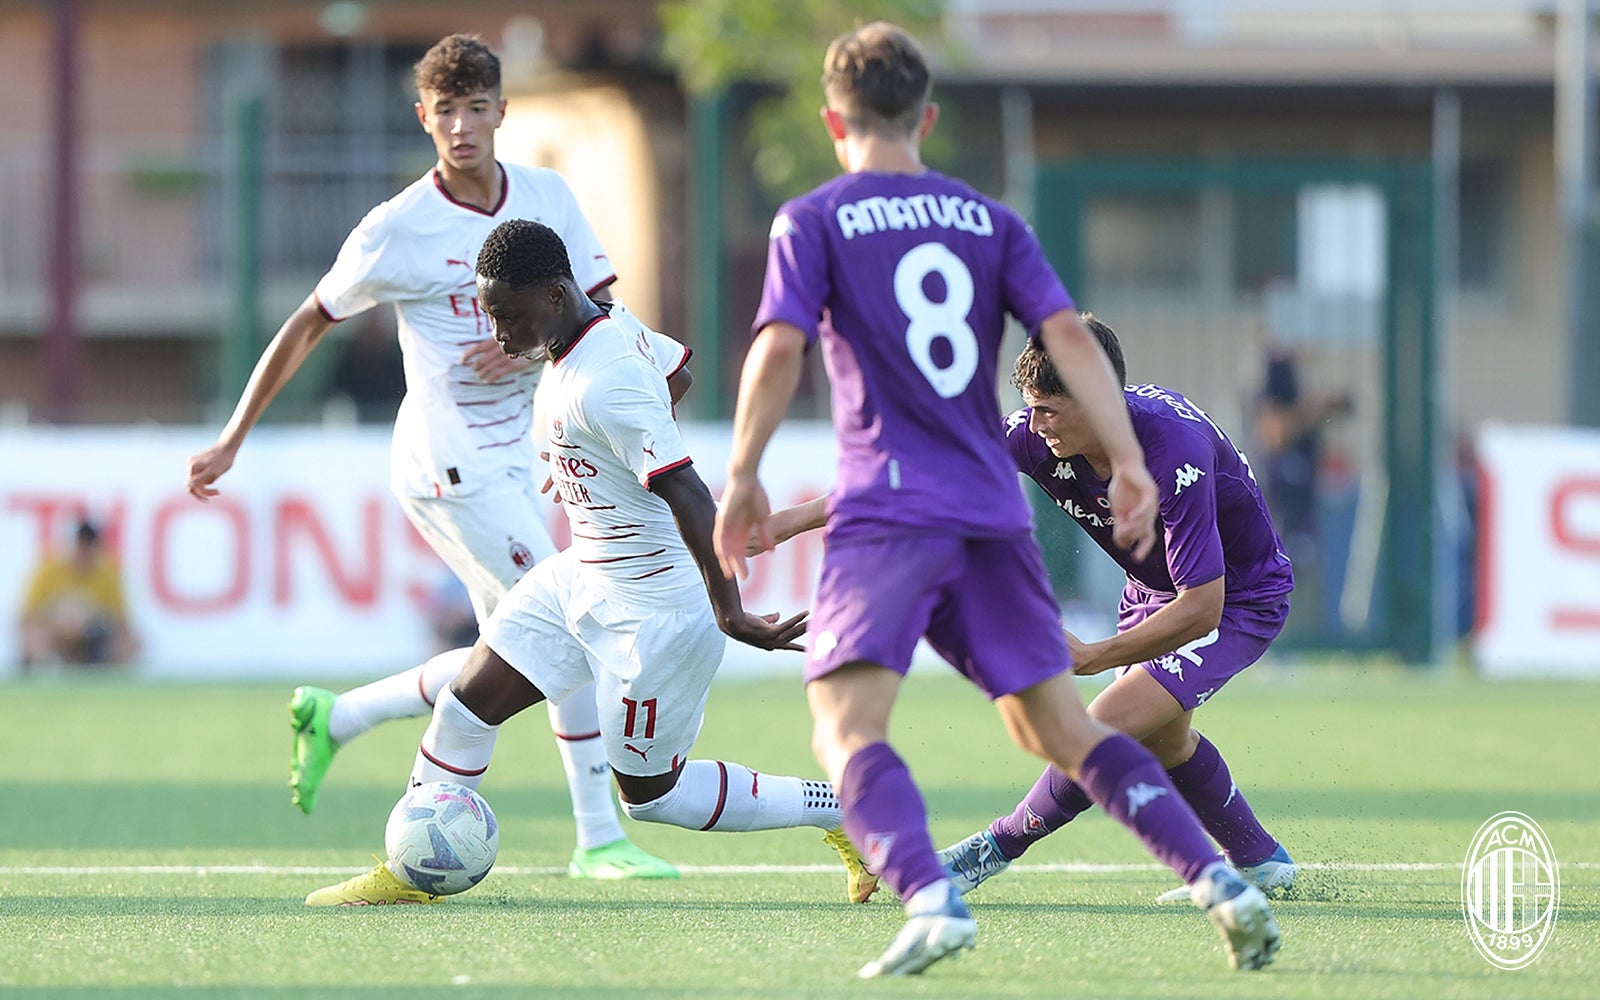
1539	552
304	566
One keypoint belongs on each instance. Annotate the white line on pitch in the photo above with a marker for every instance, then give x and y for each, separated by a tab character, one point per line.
1065	867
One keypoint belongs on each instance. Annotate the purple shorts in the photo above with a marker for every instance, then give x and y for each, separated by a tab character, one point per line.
1196	671
984	604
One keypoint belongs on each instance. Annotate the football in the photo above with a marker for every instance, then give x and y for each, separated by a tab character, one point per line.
442	838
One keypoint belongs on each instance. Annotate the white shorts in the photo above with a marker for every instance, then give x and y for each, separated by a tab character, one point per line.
489	538
652	665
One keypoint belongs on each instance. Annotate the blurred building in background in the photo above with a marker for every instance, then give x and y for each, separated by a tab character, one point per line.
1364	190
157	94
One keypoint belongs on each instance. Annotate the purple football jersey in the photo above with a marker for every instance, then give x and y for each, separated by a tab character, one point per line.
907	280
1214	521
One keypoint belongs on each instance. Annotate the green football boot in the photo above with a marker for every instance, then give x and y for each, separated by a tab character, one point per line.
313	747
618	859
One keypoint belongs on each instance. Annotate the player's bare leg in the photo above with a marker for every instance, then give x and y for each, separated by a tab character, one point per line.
725	796
1138	705
1126	781
884	813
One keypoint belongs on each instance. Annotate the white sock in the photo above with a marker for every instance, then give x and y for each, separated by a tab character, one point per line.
576	724
931	898
456	747
727	797
398	696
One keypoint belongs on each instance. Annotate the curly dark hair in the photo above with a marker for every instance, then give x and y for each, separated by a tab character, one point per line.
523	253
877	77
1035	374
457	65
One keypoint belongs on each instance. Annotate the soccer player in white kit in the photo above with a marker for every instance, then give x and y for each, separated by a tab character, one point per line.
625	607
462	457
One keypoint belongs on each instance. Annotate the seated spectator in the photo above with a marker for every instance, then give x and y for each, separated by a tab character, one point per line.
73	610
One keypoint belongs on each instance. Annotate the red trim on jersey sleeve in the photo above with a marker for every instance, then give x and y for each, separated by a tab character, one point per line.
602	283
687	354
555	358
323	309
681	463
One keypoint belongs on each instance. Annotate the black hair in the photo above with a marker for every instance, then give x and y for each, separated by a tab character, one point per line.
1034	373
524	253
87	533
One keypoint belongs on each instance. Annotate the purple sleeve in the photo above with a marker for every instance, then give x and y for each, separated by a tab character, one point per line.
796	286
1033	290
1184	467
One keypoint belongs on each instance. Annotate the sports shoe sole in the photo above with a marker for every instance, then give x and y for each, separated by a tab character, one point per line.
1248	928
922	942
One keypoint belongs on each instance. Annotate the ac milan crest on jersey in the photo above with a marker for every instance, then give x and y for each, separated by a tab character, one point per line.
520	555
557	432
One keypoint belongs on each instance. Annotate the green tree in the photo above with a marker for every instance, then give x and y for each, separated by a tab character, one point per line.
715	43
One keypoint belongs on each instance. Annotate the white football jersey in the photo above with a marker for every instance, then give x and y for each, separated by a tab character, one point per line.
609	425
419	251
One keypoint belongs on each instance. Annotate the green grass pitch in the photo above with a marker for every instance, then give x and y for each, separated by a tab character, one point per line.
147	846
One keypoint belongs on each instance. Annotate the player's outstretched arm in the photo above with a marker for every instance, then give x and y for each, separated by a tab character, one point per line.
695	511
1195	613
301	332
1090	381
771	375
788	522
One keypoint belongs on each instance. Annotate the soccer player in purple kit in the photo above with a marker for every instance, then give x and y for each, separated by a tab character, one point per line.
906	276
1203	605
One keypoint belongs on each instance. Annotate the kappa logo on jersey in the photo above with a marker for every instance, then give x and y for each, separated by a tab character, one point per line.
1187	476
877	852
1064	471
782	226
520	555
1015	420
1141	795
1171	664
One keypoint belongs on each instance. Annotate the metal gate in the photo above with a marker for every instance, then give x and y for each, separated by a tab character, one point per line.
1281	295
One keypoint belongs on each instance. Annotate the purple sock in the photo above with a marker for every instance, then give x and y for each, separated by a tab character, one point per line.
1204	781
1128	783
886	819
1052	802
